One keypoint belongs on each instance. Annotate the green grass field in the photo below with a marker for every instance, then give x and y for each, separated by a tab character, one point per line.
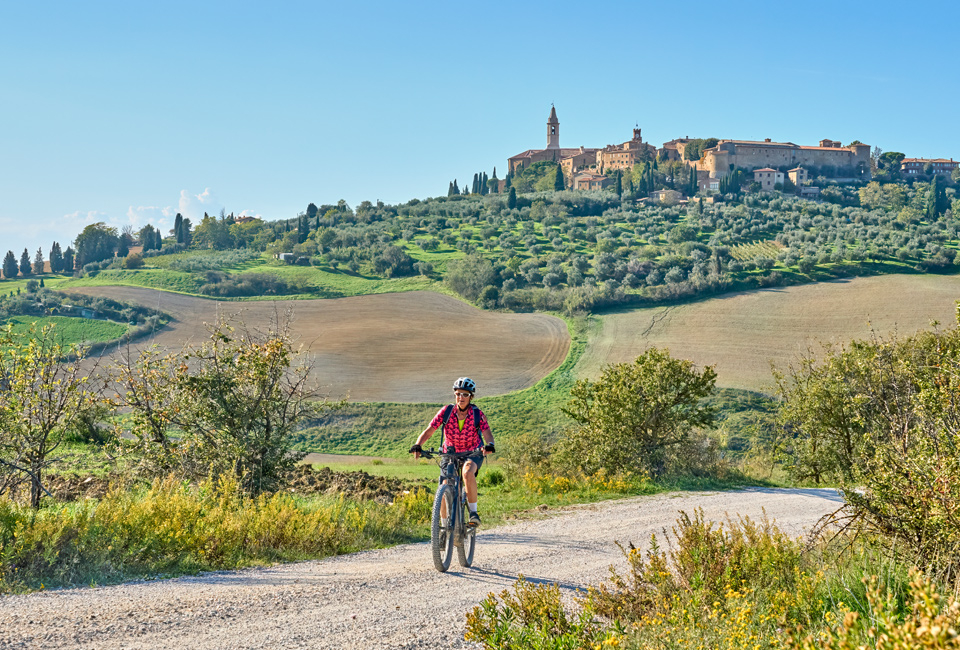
70	330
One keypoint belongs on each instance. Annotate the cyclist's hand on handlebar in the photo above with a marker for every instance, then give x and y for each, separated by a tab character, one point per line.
489	449
415	450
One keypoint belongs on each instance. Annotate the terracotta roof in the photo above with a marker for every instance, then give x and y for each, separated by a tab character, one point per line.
797	169
760	142
562	153
928	160
765	169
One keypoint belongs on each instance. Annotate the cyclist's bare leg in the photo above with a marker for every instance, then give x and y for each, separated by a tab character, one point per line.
470	480
443	508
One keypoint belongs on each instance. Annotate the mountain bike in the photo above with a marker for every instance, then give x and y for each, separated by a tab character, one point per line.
449	529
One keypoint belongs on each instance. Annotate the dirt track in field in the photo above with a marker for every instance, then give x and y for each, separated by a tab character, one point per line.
397	347
740	334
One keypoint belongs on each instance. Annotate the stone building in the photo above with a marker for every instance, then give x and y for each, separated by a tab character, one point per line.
553	152
798	176
937	165
674	149
590	181
585	160
768	178
625	155
730	154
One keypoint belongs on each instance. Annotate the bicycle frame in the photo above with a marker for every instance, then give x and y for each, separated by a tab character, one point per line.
448	528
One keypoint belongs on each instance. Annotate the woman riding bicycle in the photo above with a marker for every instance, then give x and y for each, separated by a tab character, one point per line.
468	431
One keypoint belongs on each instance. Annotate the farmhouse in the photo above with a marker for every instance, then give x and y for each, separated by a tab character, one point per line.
768	178
937	165
590	182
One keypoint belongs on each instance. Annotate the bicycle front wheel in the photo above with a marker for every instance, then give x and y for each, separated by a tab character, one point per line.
441	529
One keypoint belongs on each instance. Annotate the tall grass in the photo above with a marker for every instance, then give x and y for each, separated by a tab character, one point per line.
740	585
173	528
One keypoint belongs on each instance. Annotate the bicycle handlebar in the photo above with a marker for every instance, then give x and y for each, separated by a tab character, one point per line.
429	454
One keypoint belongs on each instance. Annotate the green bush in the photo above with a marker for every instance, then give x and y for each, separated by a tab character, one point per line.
880	417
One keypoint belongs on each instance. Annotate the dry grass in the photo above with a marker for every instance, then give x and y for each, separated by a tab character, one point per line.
741	334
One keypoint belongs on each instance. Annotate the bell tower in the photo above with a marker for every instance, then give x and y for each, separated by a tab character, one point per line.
553	129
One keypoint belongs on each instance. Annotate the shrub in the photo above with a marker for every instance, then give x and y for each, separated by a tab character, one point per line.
133	261
245	284
634	413
880	417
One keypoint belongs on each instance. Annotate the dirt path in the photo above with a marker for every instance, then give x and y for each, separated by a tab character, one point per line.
393	347
391	598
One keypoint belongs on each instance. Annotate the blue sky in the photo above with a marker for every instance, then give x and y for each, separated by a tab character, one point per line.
131	112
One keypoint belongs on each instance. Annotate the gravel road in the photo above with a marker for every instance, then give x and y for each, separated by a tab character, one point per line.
391	598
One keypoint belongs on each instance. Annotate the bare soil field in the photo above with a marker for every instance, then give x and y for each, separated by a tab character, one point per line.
396	347
741	334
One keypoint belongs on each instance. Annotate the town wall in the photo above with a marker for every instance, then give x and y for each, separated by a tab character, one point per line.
751	155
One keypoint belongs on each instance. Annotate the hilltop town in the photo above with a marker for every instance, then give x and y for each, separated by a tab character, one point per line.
773	165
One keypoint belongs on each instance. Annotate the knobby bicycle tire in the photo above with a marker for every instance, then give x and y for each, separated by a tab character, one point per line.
441	537
468	541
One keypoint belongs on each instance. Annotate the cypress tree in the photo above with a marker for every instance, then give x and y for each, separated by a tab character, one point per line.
56	258
456	190
558	184
178	228
618	188
25	268
484	188
476	185
496	186
10	267
68	261
450	189
512	199
38	262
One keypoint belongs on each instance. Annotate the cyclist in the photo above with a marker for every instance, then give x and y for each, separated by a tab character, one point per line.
468	431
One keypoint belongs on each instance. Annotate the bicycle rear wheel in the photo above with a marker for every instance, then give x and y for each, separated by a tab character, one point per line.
468	540
441	528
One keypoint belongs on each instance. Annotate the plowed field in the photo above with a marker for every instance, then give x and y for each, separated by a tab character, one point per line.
397	347
740	334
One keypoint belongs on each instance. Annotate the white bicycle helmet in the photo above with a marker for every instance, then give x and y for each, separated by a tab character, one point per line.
465	383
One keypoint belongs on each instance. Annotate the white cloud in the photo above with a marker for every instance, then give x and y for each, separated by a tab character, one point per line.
193	206
141	215
90	216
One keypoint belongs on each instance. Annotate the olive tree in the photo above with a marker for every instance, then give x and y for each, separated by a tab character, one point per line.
226	406
43	394
636	413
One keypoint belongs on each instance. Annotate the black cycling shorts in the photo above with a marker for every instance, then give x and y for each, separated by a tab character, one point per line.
476	458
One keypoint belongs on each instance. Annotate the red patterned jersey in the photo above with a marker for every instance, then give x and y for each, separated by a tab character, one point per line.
469	437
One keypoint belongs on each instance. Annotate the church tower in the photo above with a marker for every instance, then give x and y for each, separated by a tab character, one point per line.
553	129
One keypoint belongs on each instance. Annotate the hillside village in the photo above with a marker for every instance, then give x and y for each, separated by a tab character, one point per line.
774	165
